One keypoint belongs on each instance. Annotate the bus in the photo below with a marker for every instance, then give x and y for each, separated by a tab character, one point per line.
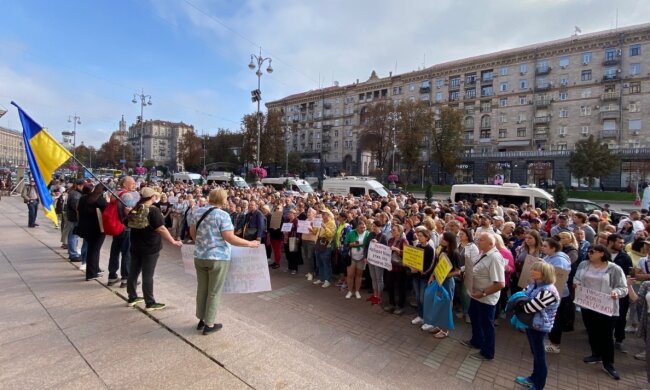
506	194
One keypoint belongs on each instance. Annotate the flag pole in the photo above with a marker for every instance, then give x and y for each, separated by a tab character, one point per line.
96	178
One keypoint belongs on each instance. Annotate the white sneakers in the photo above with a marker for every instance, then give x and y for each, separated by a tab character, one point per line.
417	321
427	327
348	295
357	295
310	276
82	267
317	281
326	284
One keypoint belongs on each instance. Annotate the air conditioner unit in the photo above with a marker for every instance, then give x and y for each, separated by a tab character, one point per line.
562	135
635	132
522	73
562	66
585	63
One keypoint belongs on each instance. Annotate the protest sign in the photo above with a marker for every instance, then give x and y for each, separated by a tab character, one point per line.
248	271
304	226
187	254
380	255
442	268
594	300
276	219
524	278
561	277
413	257
317	222
286	227
468	277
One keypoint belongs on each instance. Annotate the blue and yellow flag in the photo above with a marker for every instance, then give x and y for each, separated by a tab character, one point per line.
45	155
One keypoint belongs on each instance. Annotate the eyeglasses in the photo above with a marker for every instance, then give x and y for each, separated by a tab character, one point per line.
592	251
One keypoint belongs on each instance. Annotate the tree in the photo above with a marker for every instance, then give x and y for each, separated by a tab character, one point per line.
271	145
111	152
191	151
560	194
447	141
591	159
411	129
296	165
375	132
222	147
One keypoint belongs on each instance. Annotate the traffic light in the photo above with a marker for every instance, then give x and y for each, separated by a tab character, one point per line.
256	95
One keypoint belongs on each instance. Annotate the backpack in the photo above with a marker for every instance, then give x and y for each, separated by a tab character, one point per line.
139	217
113	226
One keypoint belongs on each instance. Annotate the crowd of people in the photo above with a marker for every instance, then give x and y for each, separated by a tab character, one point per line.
493	239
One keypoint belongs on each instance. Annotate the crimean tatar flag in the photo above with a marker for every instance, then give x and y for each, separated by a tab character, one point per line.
45	155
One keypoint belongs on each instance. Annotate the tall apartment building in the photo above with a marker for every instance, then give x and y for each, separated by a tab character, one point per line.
160	142
524	109
12	149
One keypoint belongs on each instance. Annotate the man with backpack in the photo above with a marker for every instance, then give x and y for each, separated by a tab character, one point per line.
117	213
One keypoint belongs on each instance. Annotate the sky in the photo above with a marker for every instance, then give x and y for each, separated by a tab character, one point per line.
89	57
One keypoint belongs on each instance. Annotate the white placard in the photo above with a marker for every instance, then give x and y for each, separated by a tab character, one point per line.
286	227
318	222
248	272
304	226
187	253
380	255
594	300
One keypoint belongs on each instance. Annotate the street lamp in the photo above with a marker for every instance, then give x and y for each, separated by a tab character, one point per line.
143	103
256	95
394	117
75	120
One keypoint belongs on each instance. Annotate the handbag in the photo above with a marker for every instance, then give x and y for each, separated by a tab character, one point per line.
437	307
250	233
293	244
322	244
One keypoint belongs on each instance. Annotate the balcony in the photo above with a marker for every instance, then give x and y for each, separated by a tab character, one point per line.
541	135
539	103
486	126
611	61
609	134
327	127
609	96
470	96
425	89
609	78
542	70
543	87
609	114
542	119
468	141
325	147
485	140
470	83
486	81
454	86
327	106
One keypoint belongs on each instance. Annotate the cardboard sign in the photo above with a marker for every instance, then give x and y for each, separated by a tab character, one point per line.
380	255
187	254
286	227
413	257
276	220
524	278
561	277
468	277
594	300
304	226
442	268
317	222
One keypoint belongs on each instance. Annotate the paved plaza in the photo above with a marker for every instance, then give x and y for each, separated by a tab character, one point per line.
59	331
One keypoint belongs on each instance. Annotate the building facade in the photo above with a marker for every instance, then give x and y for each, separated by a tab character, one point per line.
523	109
12	149
161	142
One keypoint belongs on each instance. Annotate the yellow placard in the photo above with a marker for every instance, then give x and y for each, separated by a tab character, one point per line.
442	269
413	257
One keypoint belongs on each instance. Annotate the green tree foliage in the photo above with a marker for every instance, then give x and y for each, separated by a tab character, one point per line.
190	152
591	159
375	132
447	140
271	145
296	165
415	120
111	152
222	147
560	194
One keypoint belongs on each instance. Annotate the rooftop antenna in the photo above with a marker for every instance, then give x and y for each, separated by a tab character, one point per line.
576	31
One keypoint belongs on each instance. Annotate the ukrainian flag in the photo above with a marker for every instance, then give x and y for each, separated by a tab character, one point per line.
45	155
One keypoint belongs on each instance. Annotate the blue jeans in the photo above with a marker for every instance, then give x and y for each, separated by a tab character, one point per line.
483	335
121	245
536	341
84	251
324	262
32	209
419	285
73	241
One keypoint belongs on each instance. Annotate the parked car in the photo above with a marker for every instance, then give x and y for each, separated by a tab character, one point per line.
588	207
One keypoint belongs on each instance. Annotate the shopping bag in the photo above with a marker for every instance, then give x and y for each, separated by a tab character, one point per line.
437	307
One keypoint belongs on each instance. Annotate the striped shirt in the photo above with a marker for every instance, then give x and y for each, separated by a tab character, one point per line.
540	302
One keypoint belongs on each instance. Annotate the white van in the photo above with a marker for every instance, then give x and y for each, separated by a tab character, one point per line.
357	186
506	194
225	178
187	177
295	184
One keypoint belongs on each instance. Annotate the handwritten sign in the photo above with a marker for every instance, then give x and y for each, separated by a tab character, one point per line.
286	227
276	220
561	277
380	255
318	222
248	271
524	278
594	300
442	269
413	257
468	277
187	254
304	226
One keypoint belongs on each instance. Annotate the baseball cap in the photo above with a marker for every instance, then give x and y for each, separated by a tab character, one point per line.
148	192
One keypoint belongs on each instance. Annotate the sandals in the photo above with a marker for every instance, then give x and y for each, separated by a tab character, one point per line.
441	334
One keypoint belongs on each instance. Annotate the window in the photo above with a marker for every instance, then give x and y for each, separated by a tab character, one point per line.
523	68
438	96
585	93
584	130
469	109
585	110
523	84
635	87
425	84
486	106
485	134
564	80
412	98
486	121
521	132
336	133
503	102
562	130
635	50
486	75
522	100
455	82
635	69
396	91
521	117
440	83
503	118
504	71
470	79
469	122
424	98
564	62
503	87
486	91
503	133
610	54
350	99
634	125
454	95
470	93
564	95
586	58
336	122
564	112
634	107
585	75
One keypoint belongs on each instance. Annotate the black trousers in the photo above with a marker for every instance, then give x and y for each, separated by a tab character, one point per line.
145	264
621	322
92	256
599	329
293	258
562	317
396	280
